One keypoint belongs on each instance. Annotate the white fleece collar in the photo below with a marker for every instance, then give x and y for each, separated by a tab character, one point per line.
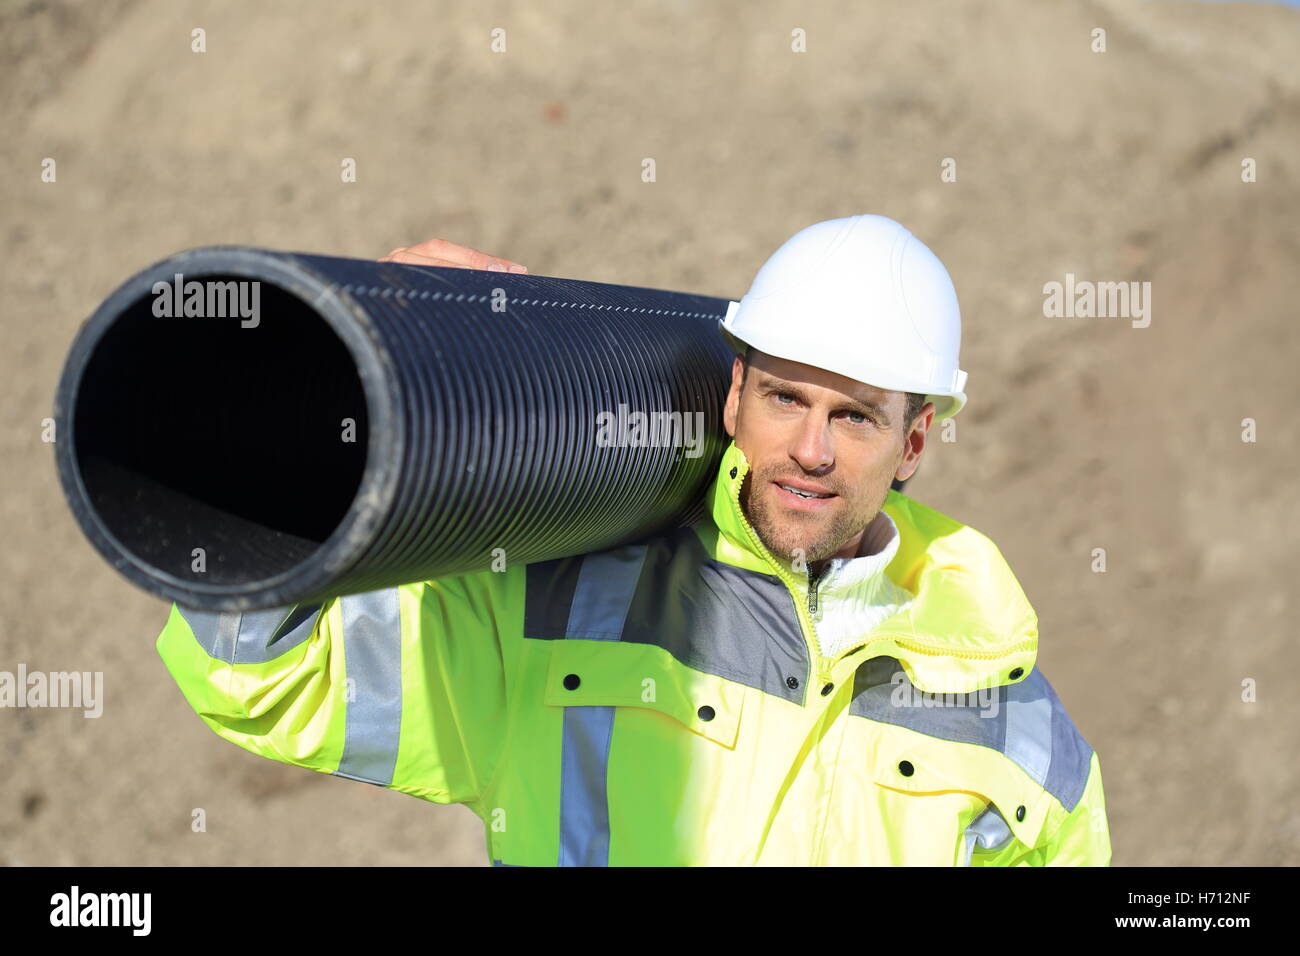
854	594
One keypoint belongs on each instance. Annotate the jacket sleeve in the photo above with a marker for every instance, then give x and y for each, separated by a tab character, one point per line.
404	688
1083	837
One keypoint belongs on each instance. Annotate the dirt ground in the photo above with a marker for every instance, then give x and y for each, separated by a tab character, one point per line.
1081	433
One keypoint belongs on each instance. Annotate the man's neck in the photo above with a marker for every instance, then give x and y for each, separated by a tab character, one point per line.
875	536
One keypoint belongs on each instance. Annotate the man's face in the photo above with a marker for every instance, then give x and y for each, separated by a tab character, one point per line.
820	432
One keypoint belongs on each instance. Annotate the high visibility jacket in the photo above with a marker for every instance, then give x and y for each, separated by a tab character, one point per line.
667	702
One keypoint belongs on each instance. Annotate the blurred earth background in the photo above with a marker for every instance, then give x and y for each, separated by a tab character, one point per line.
1081	433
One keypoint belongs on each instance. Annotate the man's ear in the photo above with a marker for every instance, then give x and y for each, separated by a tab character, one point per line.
914	442
732	408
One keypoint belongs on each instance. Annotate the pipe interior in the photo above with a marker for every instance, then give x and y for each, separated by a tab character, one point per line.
219	453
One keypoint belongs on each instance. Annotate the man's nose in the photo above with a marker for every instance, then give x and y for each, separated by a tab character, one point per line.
812	447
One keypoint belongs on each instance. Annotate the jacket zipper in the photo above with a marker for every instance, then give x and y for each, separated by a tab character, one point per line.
813	577
805	622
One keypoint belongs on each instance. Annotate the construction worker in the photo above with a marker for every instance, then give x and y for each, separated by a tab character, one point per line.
821	671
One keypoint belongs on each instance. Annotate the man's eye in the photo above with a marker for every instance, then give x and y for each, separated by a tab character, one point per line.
861	419
781	395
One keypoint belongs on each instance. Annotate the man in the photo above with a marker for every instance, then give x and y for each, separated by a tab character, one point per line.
822	671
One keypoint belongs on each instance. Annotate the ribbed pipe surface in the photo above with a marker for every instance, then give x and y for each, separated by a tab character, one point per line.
360	425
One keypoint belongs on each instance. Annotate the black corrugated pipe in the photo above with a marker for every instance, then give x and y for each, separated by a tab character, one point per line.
327	426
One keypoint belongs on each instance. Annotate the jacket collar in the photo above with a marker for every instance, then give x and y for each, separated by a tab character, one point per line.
969	624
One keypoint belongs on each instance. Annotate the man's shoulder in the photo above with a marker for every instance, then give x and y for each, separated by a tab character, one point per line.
503	572
1044	740
1024	721
928	524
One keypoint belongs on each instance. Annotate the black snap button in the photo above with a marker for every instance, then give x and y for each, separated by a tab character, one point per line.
827	689
1015	674
1020	814
733	473
706	712
571	682
792	682
905	768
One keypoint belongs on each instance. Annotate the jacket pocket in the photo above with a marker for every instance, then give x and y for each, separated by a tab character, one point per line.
1014	806
601	673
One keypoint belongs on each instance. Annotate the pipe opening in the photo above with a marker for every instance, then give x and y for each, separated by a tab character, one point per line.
218	453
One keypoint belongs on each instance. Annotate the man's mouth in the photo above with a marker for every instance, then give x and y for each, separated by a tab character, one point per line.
802	493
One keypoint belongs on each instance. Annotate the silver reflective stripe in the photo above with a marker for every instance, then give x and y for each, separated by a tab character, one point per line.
606	583
1030	725
253	637
1029	735
989	830
372	649
584	802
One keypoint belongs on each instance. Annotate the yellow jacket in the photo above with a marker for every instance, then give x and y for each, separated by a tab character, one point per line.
667	703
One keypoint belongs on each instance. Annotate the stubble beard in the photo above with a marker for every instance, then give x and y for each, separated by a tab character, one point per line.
783	532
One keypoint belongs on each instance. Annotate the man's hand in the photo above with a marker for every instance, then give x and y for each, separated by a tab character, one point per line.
440	252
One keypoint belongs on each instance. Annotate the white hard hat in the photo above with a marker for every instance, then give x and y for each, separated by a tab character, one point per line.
861	297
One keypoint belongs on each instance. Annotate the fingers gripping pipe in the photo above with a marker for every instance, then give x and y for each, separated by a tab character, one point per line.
240	428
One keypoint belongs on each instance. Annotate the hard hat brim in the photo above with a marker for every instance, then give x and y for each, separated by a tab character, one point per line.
946	405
